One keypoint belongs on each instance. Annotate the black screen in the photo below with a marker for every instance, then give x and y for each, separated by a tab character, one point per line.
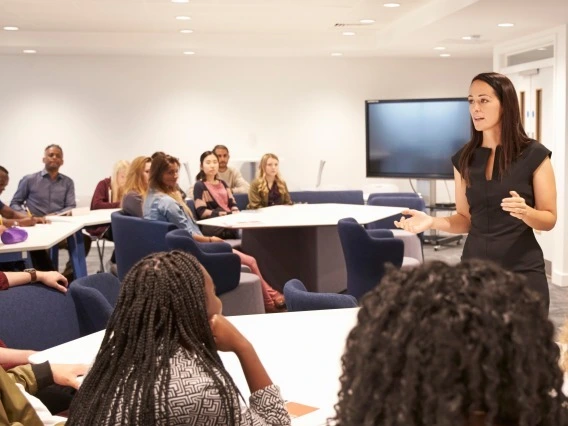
415	138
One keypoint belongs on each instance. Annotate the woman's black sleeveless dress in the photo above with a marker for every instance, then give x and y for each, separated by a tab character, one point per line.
494	233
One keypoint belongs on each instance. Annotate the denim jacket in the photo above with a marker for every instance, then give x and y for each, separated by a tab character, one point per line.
160	206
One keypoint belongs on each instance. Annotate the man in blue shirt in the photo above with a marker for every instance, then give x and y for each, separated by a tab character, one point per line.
44	193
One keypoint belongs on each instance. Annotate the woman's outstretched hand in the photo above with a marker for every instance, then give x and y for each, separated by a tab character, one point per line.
417	222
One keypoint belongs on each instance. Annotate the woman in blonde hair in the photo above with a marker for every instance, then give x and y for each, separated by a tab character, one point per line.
163	202
136	186
109	191
268	189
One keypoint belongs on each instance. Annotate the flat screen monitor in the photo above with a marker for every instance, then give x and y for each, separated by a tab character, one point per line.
415	138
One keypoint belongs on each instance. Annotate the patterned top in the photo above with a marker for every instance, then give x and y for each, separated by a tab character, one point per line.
195	401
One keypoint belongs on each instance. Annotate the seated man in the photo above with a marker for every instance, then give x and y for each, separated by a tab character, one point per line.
231	176
44	193
466	345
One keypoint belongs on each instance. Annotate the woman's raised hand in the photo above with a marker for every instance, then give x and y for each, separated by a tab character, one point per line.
417	222
227	337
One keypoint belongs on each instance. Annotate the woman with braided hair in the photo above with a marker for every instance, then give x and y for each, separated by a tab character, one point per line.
439	345
163	202
158	362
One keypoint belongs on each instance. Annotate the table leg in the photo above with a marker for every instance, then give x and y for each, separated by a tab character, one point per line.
77	254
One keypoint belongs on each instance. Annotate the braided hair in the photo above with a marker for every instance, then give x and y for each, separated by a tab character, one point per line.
161	307
445	345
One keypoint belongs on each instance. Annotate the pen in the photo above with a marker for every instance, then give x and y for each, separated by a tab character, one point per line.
29	212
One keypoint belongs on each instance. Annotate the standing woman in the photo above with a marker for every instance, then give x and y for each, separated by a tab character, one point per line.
212	196
268	189
505	186
163	202
136	186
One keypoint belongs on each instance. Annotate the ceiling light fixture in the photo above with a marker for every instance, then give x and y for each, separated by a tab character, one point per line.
467	38
439	48
445	55
337	54
506	25
29	51
391	4
11	28
367	21
348	33
189	52
186	31
183	18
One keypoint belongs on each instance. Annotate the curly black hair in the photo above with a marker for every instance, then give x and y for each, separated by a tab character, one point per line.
446	345
161	306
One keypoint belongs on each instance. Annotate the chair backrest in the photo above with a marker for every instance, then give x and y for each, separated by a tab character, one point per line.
135	238
321	197
390	200
365	256
93	309
106	284
37	317
224	268
242	201
299	299
191	204
393	194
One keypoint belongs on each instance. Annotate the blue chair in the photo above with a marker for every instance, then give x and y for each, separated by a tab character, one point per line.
240	292
394	200
106	284
37	317
93	309
366	256
135	238
393	194
321	197
300	299
242	201
191	205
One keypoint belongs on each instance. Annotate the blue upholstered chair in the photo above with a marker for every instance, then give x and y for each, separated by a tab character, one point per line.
191	205
93	309
37	317
366	256
240	292
394	200
135	238
242	200
392	194
300	299
106	284
321	197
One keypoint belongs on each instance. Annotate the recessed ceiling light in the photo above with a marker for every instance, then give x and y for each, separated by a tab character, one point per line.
439	48
183	18
467	38
445	55
186	31
506	25
29	51
391	4
180	1
337	54
367	21
189	52
348	33
11	28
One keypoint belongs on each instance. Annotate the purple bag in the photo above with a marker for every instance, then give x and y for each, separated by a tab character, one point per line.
14	235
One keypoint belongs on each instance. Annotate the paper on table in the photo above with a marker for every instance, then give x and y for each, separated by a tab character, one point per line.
295	409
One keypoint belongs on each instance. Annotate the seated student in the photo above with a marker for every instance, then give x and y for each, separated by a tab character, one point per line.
212	196
18	406
268	189
158	362
136	186
164	203
464	345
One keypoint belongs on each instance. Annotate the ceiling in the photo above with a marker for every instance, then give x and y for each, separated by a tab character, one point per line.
271	28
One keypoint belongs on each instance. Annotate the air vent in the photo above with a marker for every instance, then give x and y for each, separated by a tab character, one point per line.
354	24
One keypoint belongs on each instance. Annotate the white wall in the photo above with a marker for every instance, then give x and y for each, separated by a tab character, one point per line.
101	109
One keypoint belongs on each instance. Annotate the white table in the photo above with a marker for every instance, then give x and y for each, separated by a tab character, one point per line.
300	350
47	236
300	241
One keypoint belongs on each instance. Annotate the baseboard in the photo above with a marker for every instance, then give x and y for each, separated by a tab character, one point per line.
560	278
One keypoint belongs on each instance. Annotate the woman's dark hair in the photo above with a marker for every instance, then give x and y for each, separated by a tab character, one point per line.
440	345
513	136
201	175
160	165
161	307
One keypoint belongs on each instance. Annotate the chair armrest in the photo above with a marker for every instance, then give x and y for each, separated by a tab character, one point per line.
245	268
215	247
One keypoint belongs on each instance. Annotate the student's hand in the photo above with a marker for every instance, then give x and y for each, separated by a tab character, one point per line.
53	279
227	337
222	213
66	374
417	222
217	240
27	221
515	205
42	219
